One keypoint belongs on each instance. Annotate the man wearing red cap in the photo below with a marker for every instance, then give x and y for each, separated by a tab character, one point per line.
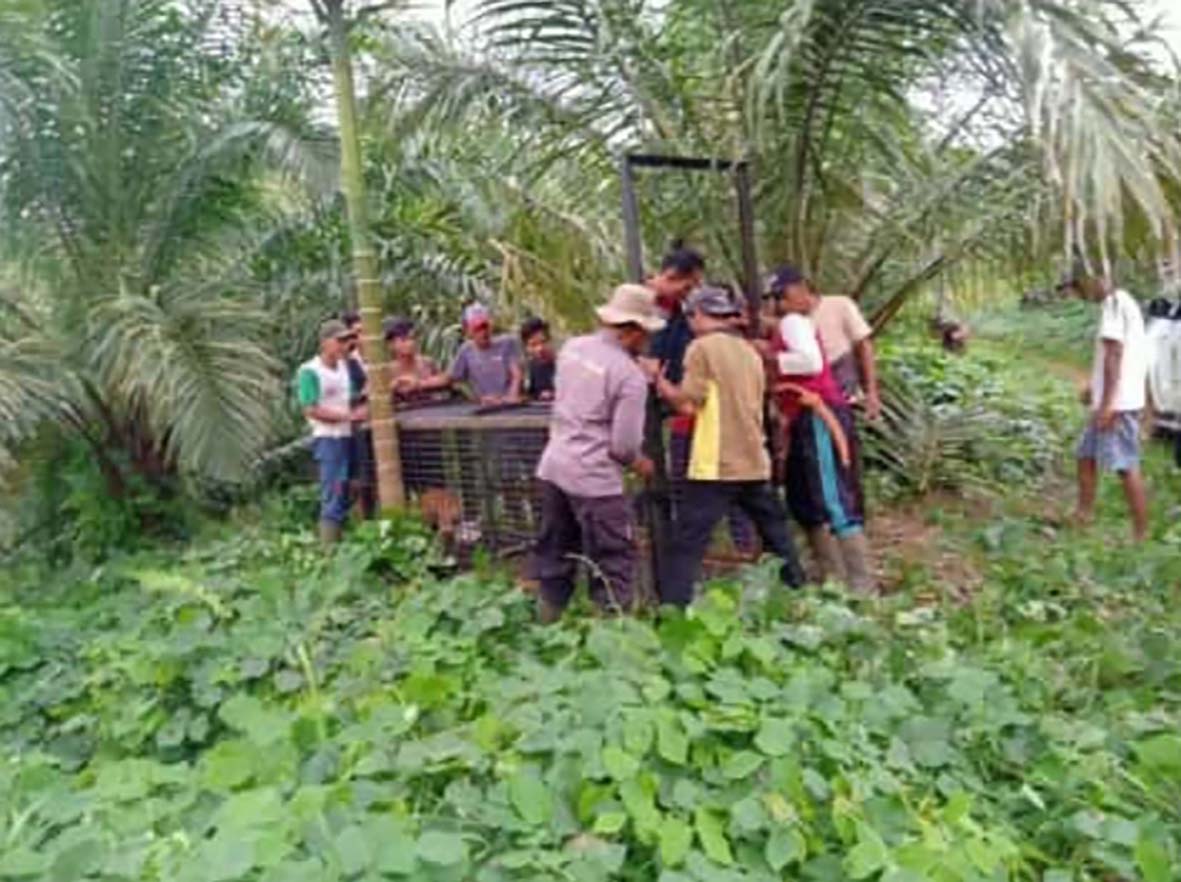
490	366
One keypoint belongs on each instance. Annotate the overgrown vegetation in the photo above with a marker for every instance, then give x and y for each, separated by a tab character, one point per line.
953	423
246	709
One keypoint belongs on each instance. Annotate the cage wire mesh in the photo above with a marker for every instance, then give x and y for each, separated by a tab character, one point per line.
469	471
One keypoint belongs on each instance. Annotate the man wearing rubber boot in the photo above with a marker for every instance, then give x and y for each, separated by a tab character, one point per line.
324	391
596	431
723	388
822	479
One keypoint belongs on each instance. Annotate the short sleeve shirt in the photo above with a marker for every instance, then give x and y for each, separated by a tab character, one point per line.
726	379
1122	321
841	326
317	384
487	371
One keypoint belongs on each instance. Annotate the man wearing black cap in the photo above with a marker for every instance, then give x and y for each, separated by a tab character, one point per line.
723	388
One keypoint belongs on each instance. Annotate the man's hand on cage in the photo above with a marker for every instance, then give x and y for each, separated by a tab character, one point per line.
405	384
360	413
643	468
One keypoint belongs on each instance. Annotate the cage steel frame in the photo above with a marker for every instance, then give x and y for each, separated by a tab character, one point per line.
658	498
471	468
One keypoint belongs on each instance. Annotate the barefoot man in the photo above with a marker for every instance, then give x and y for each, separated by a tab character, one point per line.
1116	396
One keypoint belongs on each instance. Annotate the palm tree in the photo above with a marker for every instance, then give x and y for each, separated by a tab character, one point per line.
1052	117
129	313
331	13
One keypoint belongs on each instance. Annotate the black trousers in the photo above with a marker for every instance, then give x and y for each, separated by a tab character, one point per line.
706	503
599	532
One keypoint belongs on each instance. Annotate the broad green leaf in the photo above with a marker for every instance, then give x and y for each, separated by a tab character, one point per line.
442	849
393	849
619	764
671	741
531	797
354	850
748	816
260	724
637	734
640	804
712	834
776	737
784	846
226	857
249	809
676	838
23	862
610	823
868	856
741	765
1152	859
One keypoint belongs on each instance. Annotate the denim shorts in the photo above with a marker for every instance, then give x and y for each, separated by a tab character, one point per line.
1116	450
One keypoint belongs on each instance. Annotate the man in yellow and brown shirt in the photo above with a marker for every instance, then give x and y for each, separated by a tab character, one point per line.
723	388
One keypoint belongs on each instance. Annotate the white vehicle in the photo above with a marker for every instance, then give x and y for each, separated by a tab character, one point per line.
1164	366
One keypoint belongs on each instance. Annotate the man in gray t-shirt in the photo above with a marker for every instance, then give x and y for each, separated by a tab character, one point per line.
489	366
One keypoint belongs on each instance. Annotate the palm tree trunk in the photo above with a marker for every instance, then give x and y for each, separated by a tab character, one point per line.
391	493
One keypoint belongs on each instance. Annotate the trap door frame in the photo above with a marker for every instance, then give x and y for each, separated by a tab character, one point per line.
657	503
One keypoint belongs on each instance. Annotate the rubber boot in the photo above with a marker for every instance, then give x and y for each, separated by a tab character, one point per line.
329	533
858	563
827	559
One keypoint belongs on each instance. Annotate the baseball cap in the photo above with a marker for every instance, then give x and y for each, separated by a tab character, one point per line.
631	305
332	329
712	301
783	278
397	328
476	314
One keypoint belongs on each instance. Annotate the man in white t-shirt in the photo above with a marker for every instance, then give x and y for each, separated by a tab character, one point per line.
325	392
1116	396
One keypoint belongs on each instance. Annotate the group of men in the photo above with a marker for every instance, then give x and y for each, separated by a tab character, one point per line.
333	392
687	343
674	339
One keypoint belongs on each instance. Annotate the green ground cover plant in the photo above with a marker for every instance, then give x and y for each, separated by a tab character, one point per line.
245	710
981	422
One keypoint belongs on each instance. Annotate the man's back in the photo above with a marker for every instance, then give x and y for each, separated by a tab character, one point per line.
598	409
725	372
841	327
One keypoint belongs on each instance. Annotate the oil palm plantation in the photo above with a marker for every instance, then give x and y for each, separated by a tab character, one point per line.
135	201
891	139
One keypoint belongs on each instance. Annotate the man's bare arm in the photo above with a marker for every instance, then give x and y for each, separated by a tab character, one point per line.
868	368
1113	351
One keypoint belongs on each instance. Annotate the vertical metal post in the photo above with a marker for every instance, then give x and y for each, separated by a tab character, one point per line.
631	222
656	508
750	259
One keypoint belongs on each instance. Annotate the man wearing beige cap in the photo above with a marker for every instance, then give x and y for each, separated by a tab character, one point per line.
596	432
